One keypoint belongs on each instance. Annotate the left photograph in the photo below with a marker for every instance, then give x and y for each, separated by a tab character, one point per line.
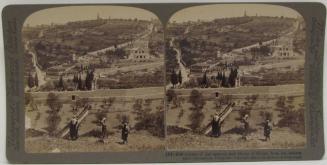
94	80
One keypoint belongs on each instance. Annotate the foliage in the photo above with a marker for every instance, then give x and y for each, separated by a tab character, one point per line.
53	119
196	116
266	115
153	122
174	78
197	99
248	105
36	80
53	102
290	117
180	79
30	81
122	118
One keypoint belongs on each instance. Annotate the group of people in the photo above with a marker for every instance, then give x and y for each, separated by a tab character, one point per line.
74	126
216	127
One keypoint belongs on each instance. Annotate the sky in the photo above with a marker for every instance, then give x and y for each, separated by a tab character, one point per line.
61	15
210	12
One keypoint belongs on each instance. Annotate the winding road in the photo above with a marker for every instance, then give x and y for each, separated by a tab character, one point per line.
40	74
184	71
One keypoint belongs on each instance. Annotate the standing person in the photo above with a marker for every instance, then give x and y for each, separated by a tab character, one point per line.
215	125
73	128
103	128
267	129
125	132
246	126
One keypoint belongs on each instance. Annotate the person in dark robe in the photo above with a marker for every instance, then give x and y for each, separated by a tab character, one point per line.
103	128
125	132
73	128
215	125
267	130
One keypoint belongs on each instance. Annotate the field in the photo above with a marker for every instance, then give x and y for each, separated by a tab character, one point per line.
114	104
255	101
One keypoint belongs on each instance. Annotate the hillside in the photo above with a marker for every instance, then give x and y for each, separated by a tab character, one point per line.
204	39
59	42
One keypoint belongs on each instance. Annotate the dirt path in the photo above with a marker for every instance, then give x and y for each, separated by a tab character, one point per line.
140	141
40	74
228	141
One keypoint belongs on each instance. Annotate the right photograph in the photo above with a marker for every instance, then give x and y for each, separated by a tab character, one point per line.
235	78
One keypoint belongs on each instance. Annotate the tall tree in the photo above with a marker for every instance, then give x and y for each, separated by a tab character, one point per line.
75	79
54	118
30	81
79	83
36	80
61	83
205	80
180	79
223	80
232	77
174	78
197	116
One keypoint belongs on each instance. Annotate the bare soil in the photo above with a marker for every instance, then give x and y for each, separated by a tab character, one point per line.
138	141
281	138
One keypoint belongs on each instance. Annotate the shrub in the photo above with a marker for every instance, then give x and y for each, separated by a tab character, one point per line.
197	116
122	118
53	119
99	115
197	99
153	123
266	115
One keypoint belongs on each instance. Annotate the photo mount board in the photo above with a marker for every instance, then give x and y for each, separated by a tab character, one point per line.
13	19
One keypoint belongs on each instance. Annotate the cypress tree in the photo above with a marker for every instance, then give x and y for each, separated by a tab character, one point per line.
223	80
79	83
205	80
61	83
30	81
180	79
174	78
36	80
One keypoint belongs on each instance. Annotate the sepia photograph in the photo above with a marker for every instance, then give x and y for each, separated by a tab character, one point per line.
235	78
94	80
